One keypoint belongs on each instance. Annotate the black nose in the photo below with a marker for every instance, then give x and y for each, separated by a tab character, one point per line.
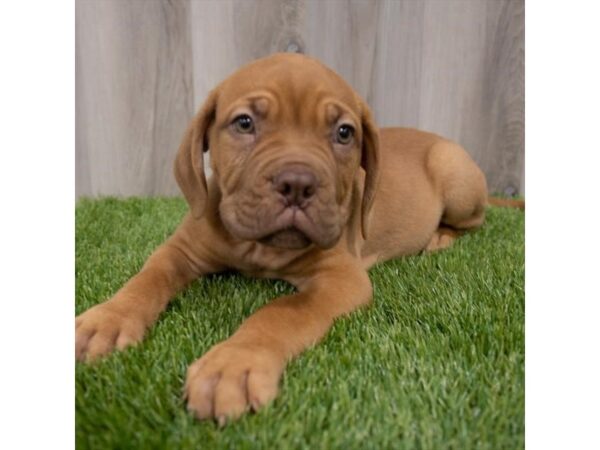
296	185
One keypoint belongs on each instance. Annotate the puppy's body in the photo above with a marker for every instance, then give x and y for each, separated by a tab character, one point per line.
428	184
305	188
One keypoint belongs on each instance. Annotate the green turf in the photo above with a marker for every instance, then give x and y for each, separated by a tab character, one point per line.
437	362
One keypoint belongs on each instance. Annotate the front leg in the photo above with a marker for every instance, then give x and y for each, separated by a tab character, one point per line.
243	372
123	320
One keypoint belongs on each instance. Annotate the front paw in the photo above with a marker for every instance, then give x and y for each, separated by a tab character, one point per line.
231	379
102	328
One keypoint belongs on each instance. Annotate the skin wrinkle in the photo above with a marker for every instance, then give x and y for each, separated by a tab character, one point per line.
252	104
239	226
233	180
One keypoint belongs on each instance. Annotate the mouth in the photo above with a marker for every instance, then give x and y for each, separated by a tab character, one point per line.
290	238
293	230
287	228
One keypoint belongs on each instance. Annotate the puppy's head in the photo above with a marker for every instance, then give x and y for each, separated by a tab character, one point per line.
287	138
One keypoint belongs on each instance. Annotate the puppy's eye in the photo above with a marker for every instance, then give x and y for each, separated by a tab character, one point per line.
344	134
243	124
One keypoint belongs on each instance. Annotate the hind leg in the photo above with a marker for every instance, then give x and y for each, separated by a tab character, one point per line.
463	190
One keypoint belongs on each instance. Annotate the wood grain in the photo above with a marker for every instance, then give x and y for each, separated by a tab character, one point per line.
134	94
454	67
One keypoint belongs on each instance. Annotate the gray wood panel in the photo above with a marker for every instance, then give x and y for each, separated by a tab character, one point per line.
134	94
454	67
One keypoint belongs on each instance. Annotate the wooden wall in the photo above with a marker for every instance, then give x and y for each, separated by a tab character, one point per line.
455	67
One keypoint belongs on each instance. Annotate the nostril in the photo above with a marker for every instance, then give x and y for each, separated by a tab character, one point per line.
286	189
308	191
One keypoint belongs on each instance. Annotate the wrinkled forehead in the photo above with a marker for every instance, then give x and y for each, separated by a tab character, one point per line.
289	86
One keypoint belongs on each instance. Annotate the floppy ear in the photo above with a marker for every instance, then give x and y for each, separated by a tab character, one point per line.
369	162
189	163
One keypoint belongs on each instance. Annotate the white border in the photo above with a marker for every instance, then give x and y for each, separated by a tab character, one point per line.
37	107
562	236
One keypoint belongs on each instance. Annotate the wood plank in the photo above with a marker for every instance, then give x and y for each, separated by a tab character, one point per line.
134	96
342	34
502	97
395	90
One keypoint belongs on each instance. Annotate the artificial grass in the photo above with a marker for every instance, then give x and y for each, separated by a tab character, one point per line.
437	361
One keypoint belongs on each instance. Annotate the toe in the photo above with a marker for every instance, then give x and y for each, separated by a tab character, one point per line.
100	344
200	392
128	338
82	338
262	388
230	396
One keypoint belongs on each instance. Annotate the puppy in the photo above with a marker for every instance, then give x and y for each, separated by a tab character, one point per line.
305	188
